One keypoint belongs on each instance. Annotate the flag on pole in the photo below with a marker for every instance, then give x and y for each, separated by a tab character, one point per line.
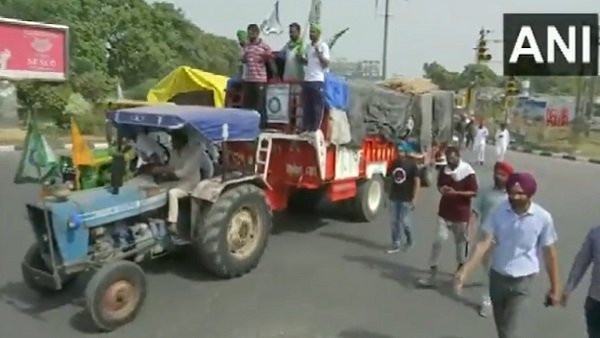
314	16
38	162
272	25
336	37
80	152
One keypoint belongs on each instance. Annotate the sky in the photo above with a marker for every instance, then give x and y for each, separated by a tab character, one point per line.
420	31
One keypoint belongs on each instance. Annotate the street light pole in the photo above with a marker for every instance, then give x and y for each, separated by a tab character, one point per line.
386	25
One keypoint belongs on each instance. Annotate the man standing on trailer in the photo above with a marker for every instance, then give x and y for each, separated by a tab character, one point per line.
457	183
403	187
257	54
316	58
292	55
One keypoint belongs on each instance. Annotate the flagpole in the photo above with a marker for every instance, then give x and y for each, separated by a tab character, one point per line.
386	26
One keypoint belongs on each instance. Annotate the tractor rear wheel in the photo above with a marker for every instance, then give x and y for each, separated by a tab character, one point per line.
115	294
235	232
369	199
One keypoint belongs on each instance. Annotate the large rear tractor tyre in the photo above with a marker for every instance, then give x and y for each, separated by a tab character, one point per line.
115	294
235	232
369	199
304	201
33	258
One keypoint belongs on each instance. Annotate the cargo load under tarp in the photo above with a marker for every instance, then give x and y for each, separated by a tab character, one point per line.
377	110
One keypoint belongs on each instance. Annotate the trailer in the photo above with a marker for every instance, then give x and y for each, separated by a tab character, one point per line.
347	159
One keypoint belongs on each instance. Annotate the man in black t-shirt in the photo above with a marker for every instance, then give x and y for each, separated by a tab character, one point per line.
403	183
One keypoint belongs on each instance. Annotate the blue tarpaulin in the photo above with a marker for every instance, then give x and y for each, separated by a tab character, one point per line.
210	122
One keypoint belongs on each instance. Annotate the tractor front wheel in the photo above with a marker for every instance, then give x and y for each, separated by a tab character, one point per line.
235	231
115	294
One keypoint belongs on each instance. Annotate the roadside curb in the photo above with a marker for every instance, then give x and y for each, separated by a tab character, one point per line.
545	153
68	146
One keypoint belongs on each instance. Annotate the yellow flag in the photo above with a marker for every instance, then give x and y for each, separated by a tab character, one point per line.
80	152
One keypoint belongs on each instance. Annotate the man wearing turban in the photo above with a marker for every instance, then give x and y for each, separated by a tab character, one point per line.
486	200
515	230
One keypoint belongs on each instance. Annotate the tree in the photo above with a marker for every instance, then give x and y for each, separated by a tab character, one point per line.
129	40
448	80
439	75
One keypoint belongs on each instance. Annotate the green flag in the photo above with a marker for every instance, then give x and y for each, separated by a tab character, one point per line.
38	162
336	37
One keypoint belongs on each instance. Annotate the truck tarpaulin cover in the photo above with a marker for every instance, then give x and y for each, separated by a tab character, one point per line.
443	108
33	50
375	110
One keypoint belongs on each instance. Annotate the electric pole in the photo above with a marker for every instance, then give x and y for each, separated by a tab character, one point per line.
386	25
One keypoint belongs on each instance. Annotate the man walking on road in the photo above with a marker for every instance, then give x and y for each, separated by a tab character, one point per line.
588	254
458	185
502	141
516	229
403	187
487	199
481	135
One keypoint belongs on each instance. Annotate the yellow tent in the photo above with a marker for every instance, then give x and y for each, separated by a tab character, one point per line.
187	85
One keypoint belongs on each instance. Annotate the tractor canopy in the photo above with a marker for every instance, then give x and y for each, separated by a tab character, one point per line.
213	124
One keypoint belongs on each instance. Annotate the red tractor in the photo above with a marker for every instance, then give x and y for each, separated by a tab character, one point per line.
300	170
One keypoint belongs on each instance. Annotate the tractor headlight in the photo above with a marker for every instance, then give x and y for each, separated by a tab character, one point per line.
74	222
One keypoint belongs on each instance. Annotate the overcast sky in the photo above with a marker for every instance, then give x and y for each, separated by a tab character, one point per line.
420	30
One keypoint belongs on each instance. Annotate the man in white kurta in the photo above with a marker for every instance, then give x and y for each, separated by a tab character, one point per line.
184	165
502	142
481	135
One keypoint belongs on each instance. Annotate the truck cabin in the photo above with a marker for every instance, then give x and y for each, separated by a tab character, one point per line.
282	102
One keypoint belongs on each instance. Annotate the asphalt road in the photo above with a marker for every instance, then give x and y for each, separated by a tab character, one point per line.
318	278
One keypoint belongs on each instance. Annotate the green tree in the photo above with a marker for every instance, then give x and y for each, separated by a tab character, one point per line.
129	40
442	77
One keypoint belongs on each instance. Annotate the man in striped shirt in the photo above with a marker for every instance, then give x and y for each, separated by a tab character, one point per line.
257	55
589	254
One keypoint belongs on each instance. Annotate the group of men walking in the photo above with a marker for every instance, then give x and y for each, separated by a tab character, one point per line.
474	136
306	63
513	230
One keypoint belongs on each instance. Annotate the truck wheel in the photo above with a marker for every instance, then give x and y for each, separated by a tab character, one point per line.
369	199
33	258
301	201
235	232
115	294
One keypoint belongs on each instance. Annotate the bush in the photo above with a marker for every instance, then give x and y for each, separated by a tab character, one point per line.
91	124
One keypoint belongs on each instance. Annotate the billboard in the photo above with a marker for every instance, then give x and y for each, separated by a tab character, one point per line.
33	50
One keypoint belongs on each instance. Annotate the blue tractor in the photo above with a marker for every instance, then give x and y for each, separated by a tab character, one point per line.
109	230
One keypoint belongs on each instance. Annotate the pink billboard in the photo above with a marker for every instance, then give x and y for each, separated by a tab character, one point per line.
33	50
